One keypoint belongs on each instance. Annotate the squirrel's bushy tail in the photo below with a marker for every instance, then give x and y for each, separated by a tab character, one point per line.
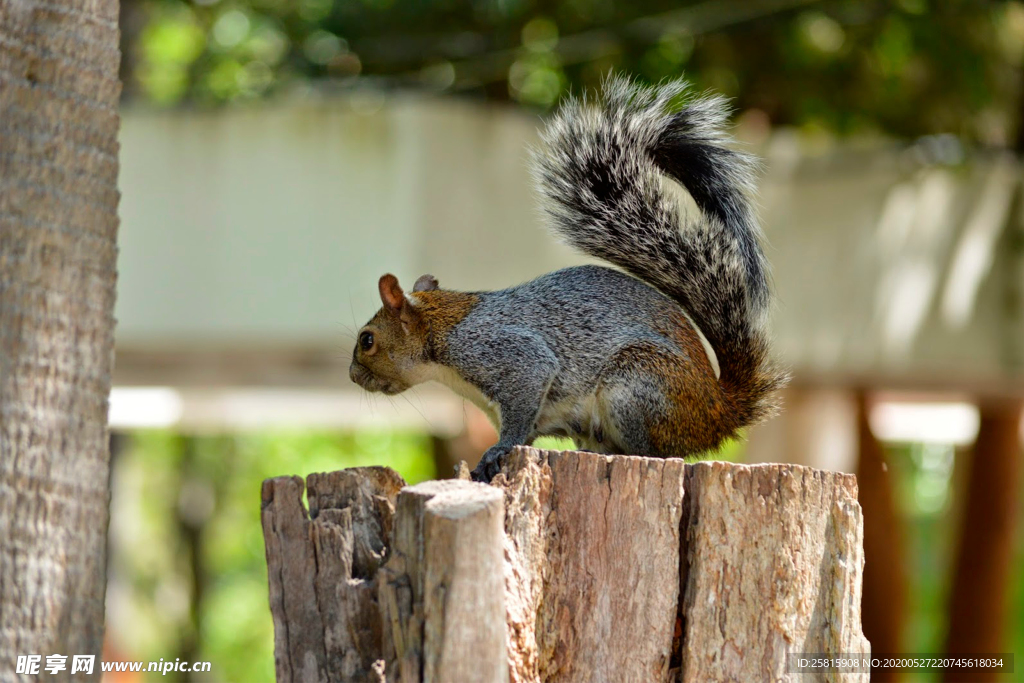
601	175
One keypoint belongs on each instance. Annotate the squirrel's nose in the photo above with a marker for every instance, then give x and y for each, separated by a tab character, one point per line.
356	373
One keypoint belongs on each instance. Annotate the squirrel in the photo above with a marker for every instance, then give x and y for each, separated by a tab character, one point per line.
610	358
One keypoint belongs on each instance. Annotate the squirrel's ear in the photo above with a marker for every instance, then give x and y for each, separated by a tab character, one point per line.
391	293
425	283
394	300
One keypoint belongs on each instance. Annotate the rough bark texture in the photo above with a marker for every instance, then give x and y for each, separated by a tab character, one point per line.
322	571
593	564
608	568
774	555
58	228
442	589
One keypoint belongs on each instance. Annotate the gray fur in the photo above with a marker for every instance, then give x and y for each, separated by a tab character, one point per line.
547	343
594	353
600	174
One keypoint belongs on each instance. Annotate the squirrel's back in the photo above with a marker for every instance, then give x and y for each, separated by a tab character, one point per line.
601	174
615	338
588	308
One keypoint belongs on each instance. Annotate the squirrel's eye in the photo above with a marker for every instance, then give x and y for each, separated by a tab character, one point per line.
366	341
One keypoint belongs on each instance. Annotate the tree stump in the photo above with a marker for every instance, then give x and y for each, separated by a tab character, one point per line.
571	566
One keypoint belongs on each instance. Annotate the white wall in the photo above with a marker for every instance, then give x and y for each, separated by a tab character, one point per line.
272	225
265	229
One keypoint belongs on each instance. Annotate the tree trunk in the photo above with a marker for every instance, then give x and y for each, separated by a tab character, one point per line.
58	226
606	568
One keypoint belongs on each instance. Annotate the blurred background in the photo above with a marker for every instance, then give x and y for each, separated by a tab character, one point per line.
278	157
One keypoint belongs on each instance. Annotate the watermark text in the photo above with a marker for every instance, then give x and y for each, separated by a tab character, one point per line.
86	664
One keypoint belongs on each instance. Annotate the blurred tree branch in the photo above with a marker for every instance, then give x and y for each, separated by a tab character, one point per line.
906	69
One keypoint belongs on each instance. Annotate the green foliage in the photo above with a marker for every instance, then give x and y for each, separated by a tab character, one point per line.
922	476
731	450
904	68
168	486
554	443
170	43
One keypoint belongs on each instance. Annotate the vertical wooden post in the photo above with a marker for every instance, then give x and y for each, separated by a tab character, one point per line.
322	569
885	572
442	591
594	555
981	581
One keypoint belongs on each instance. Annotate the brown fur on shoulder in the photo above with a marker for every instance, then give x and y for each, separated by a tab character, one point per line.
441	310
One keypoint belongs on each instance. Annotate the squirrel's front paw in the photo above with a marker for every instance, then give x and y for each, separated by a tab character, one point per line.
490	464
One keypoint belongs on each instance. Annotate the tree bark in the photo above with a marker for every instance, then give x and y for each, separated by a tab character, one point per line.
775	559
607	568
442	589
58	225
594	548
322	569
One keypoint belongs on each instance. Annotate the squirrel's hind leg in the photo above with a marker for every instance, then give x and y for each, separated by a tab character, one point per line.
627	406
653	401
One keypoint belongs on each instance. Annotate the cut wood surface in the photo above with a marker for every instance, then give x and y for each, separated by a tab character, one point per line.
322	569
571	566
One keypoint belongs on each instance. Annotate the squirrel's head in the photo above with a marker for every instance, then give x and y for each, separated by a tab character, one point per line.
391	347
